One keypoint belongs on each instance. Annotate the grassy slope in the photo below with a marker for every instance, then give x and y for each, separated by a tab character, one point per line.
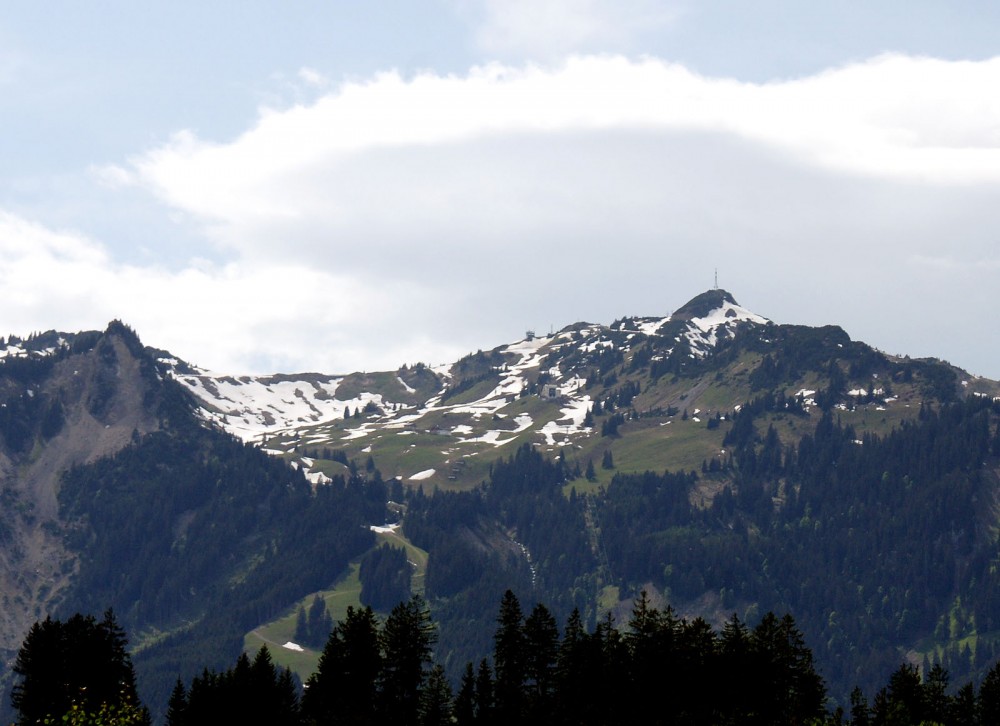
345	593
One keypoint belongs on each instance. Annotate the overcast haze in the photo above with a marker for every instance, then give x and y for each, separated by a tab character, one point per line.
336	186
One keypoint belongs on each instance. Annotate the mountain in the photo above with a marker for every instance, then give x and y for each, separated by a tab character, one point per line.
722	462
444	425
66	401
117	495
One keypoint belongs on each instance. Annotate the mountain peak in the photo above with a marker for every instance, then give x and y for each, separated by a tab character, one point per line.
116	328
708	311
702	305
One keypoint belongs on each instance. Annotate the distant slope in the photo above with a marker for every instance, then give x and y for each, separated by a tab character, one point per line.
442	426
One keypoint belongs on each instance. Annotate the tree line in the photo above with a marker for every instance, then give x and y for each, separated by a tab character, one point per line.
658	668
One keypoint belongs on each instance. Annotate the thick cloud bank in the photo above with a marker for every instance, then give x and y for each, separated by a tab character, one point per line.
401	218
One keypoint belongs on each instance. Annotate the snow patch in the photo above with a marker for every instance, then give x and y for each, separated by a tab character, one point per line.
650	326
250	407
863	392
317	477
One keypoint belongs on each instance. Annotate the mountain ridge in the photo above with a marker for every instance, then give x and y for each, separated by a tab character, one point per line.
545	433
473	402
487	400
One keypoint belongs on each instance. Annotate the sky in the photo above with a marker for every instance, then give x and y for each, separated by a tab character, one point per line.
337	186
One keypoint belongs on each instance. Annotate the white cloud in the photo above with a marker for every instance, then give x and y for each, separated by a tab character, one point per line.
366	176
906	118
399	219
236	318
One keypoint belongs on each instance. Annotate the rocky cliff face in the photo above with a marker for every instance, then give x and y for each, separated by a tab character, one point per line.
71	403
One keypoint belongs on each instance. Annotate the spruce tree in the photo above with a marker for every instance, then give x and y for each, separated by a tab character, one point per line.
860	712
301	635
963	706
177	705
436	699
989	696
465	702
785	684
407	639
542	646
319	623
485	701
734	666
80	661
346	679
509	659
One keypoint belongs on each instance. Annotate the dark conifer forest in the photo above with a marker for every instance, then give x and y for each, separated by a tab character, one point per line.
657	668
227	502
894	527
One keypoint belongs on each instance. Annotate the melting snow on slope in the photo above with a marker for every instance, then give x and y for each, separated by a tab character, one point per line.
13	351
421	475
317	477
250	407
702	331
574	412
727	313
806	395
512	383
523	422
591	347
863	392
649	327
361	431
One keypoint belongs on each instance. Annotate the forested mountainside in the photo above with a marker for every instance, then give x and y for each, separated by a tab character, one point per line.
116	496
724	463
883	549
